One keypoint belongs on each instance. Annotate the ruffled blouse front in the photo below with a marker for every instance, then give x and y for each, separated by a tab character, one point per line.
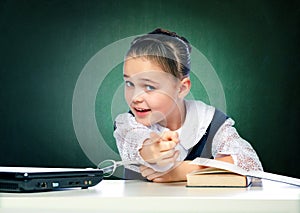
130	136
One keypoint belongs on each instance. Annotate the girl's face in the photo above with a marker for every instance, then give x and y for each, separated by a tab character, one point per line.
151	93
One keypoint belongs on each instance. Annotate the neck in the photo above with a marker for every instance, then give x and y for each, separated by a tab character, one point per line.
176	118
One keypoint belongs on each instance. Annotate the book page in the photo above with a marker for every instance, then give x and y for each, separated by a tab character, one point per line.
274	177
211	170
219	165
238	170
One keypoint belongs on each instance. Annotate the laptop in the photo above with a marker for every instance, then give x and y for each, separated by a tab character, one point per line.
37	179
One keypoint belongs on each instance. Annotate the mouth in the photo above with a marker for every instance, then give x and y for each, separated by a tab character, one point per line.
141	110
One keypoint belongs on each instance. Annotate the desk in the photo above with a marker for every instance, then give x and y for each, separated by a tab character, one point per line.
137	196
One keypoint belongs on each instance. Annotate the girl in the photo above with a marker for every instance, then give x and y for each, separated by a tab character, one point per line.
162	131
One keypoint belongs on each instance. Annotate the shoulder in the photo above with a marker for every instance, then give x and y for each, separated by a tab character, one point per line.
229	122
198	109
126	119
227	128
198	105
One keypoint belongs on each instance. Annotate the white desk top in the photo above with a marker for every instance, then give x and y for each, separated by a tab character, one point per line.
138	196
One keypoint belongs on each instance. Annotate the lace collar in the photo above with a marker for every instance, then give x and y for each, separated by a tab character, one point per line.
198	118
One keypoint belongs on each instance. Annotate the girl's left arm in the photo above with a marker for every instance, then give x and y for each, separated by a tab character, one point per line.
177	173
227	142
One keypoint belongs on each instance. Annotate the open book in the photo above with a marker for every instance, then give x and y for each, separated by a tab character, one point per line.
214	177
236	172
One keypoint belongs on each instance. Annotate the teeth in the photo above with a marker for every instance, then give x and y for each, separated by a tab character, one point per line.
141	110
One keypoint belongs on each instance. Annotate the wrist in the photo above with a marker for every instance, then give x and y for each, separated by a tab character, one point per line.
144	152
182	169
226	158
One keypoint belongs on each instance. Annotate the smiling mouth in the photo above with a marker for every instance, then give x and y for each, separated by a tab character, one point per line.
142	110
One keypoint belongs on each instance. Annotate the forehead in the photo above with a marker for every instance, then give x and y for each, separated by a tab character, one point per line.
141	68
133	66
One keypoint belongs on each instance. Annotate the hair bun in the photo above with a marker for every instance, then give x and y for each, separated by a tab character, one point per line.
162	31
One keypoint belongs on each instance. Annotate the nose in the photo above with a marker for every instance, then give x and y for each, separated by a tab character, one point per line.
138	96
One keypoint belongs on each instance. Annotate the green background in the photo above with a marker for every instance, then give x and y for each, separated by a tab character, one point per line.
44	45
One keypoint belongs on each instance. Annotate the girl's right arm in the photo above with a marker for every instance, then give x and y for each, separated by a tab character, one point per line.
160	149
133	139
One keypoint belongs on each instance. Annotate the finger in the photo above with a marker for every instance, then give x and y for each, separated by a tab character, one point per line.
161	179
166	145
155	175
142	168
154	138
147	172
170	136
166	154
166	161
169	160
159	159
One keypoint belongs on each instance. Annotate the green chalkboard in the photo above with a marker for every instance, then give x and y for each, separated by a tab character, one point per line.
49	47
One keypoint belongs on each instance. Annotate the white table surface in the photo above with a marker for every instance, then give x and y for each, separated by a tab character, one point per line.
138	196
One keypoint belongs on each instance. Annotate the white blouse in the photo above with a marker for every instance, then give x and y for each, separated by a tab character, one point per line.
130	136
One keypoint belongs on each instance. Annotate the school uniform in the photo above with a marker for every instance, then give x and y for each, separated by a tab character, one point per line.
206	132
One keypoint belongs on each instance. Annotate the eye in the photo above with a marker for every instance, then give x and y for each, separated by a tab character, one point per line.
129	84
149	87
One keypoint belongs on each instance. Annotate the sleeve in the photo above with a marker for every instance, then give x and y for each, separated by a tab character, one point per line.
130	135
228	142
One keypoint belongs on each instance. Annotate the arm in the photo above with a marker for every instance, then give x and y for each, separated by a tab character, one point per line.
228	142
130	136
177	173
137	142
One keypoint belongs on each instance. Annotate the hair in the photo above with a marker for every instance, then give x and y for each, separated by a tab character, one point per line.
168	50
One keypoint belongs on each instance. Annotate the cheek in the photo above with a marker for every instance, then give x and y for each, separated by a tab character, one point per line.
128	96
162	102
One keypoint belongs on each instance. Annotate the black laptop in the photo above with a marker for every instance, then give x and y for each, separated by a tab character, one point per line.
37	179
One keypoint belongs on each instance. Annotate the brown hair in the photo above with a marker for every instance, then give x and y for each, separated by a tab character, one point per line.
167	49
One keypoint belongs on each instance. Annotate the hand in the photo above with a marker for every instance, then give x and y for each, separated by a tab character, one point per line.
158	177
160	149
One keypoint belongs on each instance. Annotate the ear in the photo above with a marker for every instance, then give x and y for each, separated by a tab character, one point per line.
185	87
